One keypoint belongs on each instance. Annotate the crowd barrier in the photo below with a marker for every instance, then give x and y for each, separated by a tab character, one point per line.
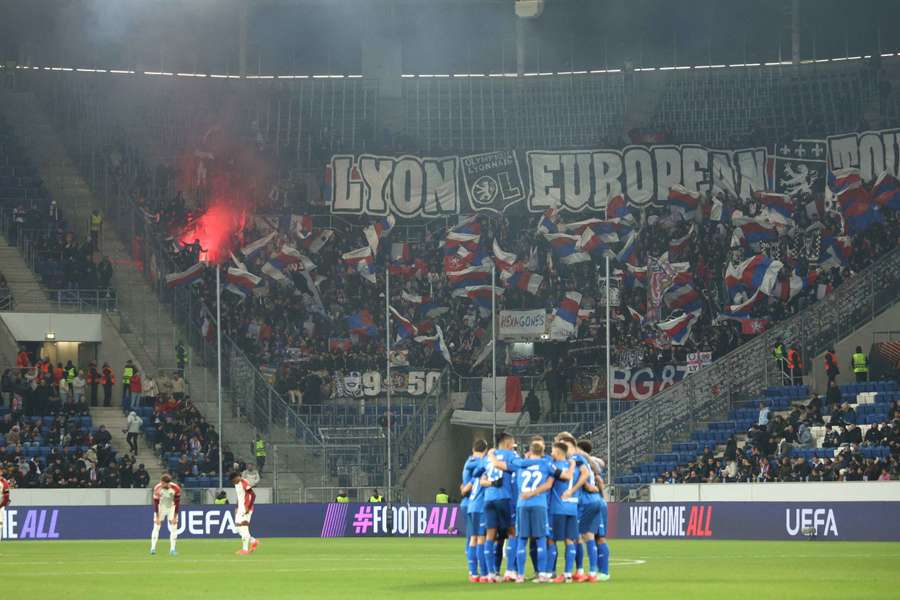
856	521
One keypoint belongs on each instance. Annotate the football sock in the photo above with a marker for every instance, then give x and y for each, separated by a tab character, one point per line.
472	559
498	553
603	557
173	535
520	556
154	537
489	556
551	557
245	537
479	555
570	558
532	551
579	557
592	555
512	554
543	565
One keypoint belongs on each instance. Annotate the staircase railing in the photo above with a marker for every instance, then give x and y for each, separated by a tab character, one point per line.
653	424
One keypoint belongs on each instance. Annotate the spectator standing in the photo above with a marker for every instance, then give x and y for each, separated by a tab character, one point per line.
133	430
795	366
79	383
137	389
107	380
831	366
92	378
763	419
150	390
859	362
178	387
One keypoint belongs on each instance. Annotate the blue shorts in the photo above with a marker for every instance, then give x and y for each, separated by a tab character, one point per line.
604	518
497	514
590	520
565	527
474	524
532	521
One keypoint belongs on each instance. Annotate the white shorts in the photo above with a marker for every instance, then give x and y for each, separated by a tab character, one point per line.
166	514
241	516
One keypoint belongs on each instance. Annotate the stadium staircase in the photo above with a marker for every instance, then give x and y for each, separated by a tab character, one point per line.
152	343
652	428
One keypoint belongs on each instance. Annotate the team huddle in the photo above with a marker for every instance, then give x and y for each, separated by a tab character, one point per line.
539	498
167	502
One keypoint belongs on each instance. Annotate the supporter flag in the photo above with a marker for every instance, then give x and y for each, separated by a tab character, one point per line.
835	252
683	297
756	273
340	344
858	209
375	232
719	213
317	241
503	259
366	269
400	253
470	276
578	227
745	308
523	280
780	206
617	208
186	277
754	326
286	257
627	255
302	226
786	290
843	179
679	246
594	244
886	191
485	352
548	222
240	282
437	342
405	327
361	323
355	256
415	298
679	328
236	262
455	240
480	295
458	260
254	248
753	231
566	316
565	247
636	315
468	226
634	276
683	201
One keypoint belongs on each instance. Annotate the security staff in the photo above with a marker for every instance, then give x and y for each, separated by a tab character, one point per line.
127	373
376	498
859	362
795	366
96	229
181	356
221	498
831	366
93	380
342	497
259	450
441	497
778	355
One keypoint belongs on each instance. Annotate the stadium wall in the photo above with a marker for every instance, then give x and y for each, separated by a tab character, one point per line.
842	491
833	521
887	321
115	496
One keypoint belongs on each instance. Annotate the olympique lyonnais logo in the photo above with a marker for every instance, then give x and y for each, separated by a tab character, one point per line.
671	521
375	519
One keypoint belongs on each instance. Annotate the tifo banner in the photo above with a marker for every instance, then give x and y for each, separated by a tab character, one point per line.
269	520
869	521
585	180
627	383
355	384
530	324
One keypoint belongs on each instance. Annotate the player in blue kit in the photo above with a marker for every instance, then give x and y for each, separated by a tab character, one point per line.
498	502
592	520
473	493
534	479
564	498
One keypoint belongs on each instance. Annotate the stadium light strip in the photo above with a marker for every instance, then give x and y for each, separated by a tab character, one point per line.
449	75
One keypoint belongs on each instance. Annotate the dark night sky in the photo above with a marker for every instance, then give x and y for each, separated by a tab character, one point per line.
323	36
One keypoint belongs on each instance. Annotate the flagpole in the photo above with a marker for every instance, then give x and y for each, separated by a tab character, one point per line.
387	353
494	351
219	368
608	387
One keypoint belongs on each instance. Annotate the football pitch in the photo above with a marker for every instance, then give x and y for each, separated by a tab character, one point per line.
435	568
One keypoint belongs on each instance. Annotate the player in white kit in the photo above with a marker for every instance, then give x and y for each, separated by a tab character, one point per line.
244	512
166	502
4	502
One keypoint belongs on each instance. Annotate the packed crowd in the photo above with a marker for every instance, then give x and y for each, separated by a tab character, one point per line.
767	454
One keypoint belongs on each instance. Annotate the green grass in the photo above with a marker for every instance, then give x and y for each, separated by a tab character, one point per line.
435	568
